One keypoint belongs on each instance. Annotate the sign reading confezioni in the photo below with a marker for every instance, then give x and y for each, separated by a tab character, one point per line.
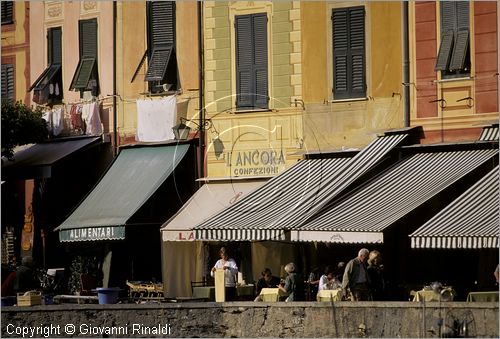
255	162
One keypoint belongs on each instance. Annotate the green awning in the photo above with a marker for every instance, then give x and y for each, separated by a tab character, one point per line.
133	177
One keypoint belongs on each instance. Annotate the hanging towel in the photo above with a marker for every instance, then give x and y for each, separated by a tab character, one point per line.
47	116
155	119
90	114
76	117
57	121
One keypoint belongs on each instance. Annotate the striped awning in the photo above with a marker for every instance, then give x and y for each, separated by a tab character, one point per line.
390	196
470	221
289	199
489	133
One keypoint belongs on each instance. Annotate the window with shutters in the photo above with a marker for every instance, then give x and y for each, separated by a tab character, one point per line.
7	12
86	77
251	61
453	59
48	87
161	73
349	63
8	82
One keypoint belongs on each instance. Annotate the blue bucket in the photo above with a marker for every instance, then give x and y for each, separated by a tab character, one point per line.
107	295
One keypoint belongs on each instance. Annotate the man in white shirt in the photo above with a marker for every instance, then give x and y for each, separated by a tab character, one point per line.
230	273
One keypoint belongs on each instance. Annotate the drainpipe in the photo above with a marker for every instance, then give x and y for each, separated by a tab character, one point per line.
115	137
201	89
406	67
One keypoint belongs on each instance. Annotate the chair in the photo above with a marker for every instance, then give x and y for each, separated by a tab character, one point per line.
87	284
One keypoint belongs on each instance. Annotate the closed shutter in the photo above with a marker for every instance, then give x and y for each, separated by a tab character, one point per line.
87	67
457	61
88	38
55	48
349	66
7	12
260	60
7	82
244	61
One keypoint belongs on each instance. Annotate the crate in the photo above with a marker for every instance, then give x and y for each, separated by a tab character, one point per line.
30	298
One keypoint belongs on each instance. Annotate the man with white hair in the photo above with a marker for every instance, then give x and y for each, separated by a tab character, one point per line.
356	278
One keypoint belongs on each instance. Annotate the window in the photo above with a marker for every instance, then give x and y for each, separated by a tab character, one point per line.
348	32
453	59
162	65
251	61
48	87
86	76
7	12
7	82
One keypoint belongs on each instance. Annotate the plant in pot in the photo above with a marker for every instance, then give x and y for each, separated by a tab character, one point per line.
83	275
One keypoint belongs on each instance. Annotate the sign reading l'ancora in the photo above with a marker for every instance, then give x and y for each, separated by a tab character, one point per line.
255	162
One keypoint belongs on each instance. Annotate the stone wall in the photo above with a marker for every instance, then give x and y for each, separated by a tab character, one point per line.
245	319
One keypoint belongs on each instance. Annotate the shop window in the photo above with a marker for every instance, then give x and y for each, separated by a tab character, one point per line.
7	12
453	59
349	64
48	87
251	61
86	77
7	82
161	73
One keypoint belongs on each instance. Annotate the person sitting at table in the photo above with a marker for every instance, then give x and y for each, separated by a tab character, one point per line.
294	284
328	281
230	273
267	280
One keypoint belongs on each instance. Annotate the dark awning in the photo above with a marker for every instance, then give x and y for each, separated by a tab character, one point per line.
289	199
37	161
363	215
133	177
470	221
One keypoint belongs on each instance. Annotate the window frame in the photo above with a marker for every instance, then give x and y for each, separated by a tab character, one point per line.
251	101
53	73
86	55
453	59
349	92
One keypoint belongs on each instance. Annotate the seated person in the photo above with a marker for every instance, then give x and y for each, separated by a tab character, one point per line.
328	281
266	281
25	276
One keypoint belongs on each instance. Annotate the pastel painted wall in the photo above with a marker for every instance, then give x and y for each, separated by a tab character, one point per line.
338	124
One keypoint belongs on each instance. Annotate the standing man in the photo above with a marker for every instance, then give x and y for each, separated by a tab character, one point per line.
356	278
230	273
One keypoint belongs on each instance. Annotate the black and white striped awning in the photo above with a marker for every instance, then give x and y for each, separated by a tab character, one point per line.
289	199
363	215
470	221
489	133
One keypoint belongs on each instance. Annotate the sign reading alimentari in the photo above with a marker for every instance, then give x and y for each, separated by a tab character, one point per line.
93	233
255	162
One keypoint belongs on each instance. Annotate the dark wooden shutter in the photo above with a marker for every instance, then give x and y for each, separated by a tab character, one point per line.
461	45
357	52
244	61
349	63
88	38
7	12
55	47
7	82
260	70
162	14
444	50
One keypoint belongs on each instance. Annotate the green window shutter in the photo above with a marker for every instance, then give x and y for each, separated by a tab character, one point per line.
349	63
158	63
83	73
357	51
260	70
55	47
244	61
88	38
462	14
162	14
444	51
7	12
7	82
460	50
340	50
448	16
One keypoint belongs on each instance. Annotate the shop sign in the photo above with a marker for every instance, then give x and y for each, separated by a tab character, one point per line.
255	162
93	233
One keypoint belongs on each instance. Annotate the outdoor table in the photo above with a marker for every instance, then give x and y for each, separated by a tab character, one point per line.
431	295
244	290
327	295
271	294
205	292
483	296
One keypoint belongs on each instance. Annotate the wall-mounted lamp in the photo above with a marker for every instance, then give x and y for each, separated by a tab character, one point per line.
181	131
